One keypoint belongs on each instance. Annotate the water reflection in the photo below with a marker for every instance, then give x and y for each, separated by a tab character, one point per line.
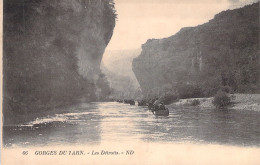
81	126
209	126
95	123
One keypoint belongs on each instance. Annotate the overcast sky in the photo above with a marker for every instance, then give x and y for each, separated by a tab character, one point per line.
139	20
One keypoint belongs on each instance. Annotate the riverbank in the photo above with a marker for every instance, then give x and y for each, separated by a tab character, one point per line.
239	102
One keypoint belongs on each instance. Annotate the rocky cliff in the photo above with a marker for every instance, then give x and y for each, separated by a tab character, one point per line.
52	50
221	52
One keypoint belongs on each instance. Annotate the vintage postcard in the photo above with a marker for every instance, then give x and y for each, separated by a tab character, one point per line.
132	82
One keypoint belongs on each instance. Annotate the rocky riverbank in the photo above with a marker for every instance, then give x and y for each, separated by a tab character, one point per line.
239	102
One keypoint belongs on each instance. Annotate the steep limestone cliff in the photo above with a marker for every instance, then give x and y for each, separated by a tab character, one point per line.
221	52
52	52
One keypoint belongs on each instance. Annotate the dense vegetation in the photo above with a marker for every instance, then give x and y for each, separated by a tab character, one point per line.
198	61
51	53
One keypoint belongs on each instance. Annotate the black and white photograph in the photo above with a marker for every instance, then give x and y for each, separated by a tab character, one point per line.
130	82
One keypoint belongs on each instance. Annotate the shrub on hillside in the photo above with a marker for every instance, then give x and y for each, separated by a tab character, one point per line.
221	99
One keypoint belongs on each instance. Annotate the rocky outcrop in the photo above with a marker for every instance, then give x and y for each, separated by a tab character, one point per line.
52	52
221	52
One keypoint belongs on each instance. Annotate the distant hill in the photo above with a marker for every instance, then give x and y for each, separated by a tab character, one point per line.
202	59
117	66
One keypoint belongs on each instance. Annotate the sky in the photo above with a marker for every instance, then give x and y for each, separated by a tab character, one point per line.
140	20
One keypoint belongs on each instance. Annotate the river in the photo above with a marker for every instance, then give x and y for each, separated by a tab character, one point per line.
101	122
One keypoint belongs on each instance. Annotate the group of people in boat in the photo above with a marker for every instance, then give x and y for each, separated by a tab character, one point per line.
154	105
158	107
127	101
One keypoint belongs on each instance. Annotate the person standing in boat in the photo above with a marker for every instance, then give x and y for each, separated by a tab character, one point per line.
162	106
156	105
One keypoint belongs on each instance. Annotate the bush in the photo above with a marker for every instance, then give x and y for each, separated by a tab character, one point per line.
195	102
221	99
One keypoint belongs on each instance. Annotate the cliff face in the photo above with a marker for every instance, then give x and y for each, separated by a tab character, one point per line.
222	52
52	52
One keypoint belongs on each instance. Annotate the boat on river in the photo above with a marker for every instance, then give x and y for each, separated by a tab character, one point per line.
164	112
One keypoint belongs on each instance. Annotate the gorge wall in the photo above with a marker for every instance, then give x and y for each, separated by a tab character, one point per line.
52	50
221	52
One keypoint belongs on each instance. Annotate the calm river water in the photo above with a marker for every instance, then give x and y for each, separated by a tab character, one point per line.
95	123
